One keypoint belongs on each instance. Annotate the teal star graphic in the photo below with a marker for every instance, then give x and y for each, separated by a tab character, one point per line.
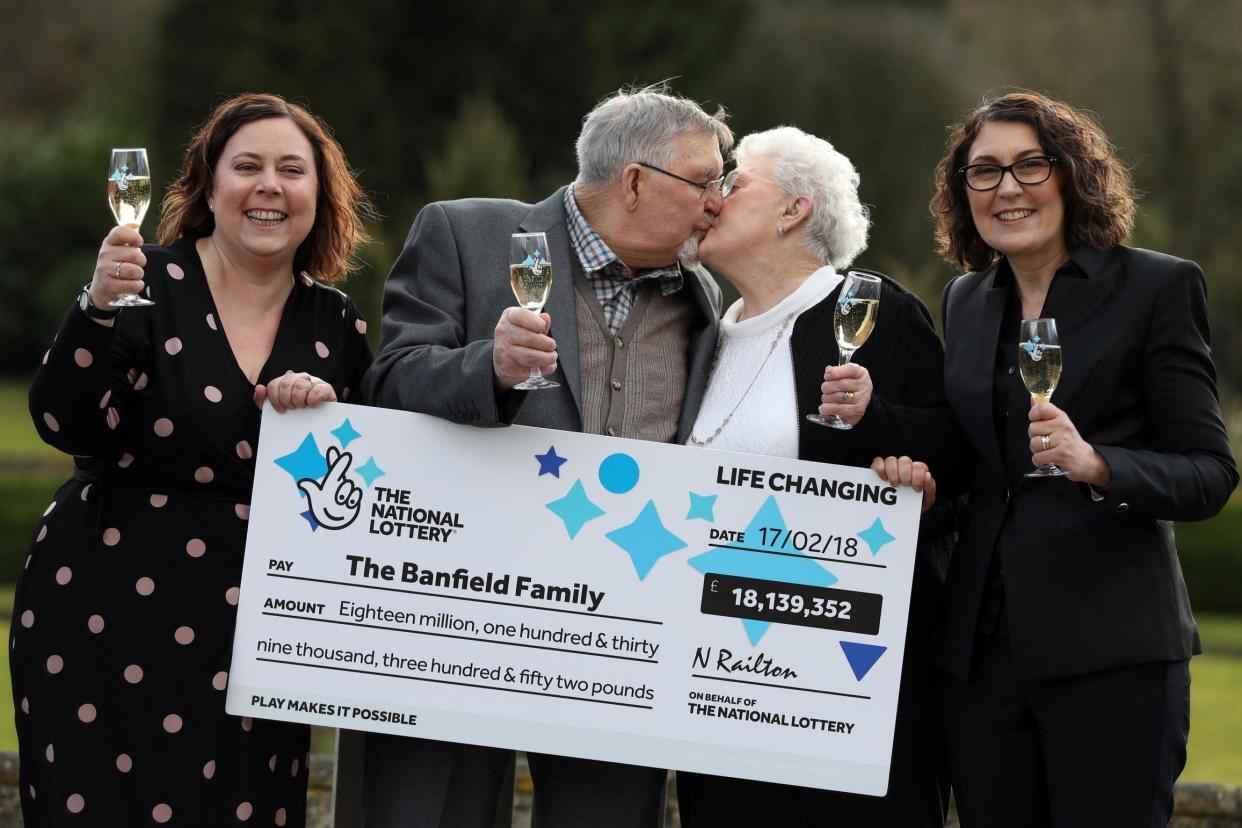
876	536
646	540
345	433
306	462
701	507
370	471
575	509
790	566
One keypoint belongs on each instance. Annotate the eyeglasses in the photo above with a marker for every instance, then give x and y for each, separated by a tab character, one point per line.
730	181
704	186
1033	170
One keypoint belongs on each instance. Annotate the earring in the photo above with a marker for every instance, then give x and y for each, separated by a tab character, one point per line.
211	206
780	230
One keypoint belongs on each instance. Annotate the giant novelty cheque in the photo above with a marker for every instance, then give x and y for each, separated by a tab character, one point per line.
572	594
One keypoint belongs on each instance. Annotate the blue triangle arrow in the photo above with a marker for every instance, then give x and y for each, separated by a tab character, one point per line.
862	657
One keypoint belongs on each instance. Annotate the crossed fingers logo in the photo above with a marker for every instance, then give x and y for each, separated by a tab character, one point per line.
334	501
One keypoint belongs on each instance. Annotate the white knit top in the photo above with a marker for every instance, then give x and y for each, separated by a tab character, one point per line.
766	420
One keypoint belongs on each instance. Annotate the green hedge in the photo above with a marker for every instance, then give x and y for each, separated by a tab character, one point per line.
1209	550
23	500
1211	560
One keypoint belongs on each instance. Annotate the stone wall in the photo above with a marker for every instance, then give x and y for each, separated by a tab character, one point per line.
1198	805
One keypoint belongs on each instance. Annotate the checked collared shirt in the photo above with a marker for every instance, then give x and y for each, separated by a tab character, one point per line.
614	284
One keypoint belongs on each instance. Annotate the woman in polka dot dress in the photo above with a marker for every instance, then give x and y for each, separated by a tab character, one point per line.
126	606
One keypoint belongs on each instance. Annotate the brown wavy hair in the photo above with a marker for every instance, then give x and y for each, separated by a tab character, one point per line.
1097	189
328	253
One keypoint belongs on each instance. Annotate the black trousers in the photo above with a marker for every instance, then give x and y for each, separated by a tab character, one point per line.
918	791
420	783
581	792
1098	749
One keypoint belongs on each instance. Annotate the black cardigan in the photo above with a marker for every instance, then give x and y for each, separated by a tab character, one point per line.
908	415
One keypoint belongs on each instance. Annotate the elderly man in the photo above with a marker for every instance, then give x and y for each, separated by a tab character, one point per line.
629	333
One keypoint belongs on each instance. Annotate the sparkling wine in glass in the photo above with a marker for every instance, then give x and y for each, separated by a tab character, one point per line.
530	276
1039	362
853	320
129	195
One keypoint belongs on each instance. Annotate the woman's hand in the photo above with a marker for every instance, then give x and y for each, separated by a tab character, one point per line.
1055	439
118	269
846	392
294	391
902	471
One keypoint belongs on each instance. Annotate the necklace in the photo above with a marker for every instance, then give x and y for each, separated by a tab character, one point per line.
725	422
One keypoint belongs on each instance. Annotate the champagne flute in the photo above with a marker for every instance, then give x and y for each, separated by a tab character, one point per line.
530	275
129	195
853	320
1039	362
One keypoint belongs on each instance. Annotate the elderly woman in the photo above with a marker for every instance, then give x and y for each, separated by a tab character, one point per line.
791	218
125	608
1066	629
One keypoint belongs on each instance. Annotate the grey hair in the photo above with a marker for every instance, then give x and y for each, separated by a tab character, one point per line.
638	124
804	165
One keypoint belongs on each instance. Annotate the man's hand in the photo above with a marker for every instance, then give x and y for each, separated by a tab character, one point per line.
522	343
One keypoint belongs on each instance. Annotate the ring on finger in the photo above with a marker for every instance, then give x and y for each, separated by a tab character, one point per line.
847	397
116	270
1046	442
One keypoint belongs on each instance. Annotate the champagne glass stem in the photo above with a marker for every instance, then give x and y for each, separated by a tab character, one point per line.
1045	469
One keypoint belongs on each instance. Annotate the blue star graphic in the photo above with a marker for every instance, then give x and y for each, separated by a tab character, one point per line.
345	432
310	518
369	471
550	463
790	566
701	507
876	536
304	463
575	509
646	540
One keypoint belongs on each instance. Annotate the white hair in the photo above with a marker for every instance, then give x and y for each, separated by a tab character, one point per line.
639	125
804	165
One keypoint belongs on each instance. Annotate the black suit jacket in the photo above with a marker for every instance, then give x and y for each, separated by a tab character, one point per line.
1090	584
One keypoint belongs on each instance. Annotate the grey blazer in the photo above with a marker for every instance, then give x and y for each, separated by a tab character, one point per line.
445	295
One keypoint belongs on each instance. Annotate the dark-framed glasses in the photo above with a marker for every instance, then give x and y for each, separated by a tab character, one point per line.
1035	169
705	187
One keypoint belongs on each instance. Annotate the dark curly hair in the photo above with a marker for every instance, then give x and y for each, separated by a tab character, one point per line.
327	253
1097	189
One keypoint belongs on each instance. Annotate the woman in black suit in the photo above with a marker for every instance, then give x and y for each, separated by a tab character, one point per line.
1066	630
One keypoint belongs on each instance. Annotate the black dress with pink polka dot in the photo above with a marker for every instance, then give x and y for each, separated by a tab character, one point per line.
124	613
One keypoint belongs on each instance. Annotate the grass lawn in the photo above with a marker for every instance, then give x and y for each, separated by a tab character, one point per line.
1215	720
1221	633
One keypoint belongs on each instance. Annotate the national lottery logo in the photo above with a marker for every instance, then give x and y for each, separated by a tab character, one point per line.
335	500
327	479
